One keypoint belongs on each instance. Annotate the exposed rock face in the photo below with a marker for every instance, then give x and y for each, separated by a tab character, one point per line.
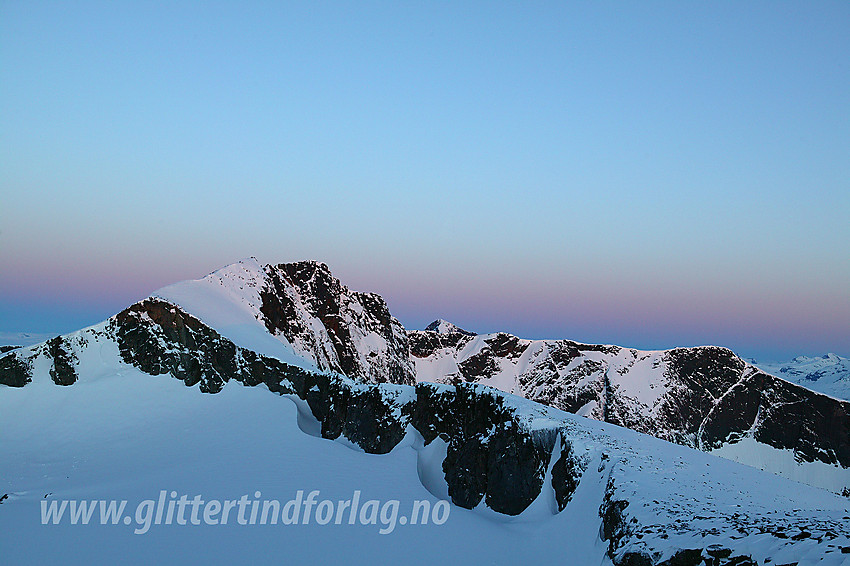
615	524
814	426
488	452
566	473
14	371
340	330
159	338
696	378
425	343
62	372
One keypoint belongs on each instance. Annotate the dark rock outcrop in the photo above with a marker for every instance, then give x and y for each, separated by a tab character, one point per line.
158	337
615	525
489	452
685	557
566	472
295	292
699	376
424	344
14	371
62	372
814	426
372	418
480	366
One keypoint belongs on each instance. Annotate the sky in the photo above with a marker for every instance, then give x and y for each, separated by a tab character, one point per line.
651	174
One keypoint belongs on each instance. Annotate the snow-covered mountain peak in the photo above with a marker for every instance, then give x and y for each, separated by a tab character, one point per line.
830	357
441	326
301	314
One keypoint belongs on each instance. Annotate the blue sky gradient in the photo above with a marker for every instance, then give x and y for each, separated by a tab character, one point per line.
652	174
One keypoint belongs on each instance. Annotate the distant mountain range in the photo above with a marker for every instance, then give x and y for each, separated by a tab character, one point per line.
828	374
358	376
10	340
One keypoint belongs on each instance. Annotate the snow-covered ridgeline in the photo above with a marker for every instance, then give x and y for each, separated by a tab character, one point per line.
605	489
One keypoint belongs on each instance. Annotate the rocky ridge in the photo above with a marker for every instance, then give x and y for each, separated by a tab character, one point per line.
702	397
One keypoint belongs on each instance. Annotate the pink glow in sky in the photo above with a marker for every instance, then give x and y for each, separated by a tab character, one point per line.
647	174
